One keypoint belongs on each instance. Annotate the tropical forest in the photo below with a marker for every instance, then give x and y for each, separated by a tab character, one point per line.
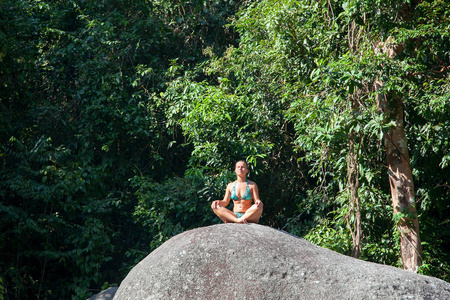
121	121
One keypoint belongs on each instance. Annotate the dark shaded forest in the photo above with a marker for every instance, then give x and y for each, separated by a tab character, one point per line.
120	122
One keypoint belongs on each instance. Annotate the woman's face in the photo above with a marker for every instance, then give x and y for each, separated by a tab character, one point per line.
241	168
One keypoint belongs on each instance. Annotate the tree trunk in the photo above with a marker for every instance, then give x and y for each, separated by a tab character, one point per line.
352	159
401	182
355	203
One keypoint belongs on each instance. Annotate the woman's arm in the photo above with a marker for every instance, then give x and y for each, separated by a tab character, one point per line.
255	194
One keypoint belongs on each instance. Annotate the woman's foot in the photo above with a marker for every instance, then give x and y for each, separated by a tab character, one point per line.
241	220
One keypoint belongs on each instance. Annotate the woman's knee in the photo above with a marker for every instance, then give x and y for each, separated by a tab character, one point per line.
257	207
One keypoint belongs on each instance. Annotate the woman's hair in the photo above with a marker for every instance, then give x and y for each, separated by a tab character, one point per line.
241	161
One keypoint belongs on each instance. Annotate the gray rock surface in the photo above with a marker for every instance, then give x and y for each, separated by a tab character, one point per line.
237	261
107	294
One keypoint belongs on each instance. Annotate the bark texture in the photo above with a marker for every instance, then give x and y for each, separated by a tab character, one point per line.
354	215
401	181
355	203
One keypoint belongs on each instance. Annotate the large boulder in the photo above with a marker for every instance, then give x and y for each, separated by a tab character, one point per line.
237	261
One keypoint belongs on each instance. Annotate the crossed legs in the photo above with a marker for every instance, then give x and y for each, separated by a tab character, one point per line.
252	214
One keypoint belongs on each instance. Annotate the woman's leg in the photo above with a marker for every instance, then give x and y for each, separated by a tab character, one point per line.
226	215
253	214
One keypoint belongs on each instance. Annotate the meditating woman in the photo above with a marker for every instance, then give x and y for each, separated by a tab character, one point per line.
242	192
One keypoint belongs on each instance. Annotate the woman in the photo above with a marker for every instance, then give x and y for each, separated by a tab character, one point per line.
242	192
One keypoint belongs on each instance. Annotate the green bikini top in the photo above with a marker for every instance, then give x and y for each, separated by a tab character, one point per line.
247	194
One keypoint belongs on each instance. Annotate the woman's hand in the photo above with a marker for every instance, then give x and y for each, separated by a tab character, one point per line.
215	204
259	203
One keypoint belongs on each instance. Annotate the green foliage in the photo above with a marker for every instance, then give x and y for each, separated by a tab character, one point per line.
80	116
120	121
169	208
323	59
336	238
40	212
222	126
2	289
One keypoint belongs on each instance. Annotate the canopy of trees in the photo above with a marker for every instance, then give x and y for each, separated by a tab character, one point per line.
121	120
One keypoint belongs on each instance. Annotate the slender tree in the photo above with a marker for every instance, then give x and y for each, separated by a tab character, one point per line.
398	161
401	180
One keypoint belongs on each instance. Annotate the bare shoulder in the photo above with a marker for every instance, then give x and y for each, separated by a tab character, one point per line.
230	185
252	184
254	189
